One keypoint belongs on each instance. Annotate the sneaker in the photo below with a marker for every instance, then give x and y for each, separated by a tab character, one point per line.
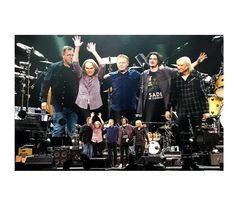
120	166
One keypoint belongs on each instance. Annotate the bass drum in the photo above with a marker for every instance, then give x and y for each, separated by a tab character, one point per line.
219	91
154	147
215	105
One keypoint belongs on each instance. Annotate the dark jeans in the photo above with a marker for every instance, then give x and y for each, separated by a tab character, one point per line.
139	149
64	122
97	149
188	125
88	149
112	147
129	114
124	148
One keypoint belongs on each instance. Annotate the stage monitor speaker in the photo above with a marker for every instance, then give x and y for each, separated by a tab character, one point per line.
154	162
94	163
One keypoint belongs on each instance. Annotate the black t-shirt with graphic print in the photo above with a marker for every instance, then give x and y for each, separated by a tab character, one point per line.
155	106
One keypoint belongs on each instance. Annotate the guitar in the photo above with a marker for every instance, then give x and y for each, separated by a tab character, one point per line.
49	106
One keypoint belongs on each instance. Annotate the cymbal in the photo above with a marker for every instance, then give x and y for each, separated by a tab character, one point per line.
18	67
109	60
165	127
27	48
23	76
46	62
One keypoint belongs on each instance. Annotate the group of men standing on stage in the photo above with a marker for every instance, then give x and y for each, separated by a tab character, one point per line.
75	90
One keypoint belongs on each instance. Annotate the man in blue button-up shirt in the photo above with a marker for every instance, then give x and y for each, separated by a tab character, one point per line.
125	84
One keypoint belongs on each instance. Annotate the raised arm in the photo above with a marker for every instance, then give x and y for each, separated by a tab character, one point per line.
100	117
200	59
106	76
91	47
91	120
77	44
76	64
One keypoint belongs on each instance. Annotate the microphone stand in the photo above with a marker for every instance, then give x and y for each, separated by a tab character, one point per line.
142	62
109	93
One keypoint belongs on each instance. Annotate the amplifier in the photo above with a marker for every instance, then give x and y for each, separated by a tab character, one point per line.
29	124
43	159
35	162
25	151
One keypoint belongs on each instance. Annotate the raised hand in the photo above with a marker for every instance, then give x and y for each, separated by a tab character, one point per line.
100	115
92	114
202	57
91	47
77	41
168	115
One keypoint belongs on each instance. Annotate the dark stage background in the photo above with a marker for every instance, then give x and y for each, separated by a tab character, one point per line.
112	45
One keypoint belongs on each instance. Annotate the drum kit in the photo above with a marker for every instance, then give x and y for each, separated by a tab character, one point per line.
154	145
23	72
160	141
216	102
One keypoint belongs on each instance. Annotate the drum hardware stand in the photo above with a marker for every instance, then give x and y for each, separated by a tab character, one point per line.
167	140
25	86
39	74
26	91
218	121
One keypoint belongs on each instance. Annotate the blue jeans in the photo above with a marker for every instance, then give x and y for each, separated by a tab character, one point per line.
88	149
64	122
